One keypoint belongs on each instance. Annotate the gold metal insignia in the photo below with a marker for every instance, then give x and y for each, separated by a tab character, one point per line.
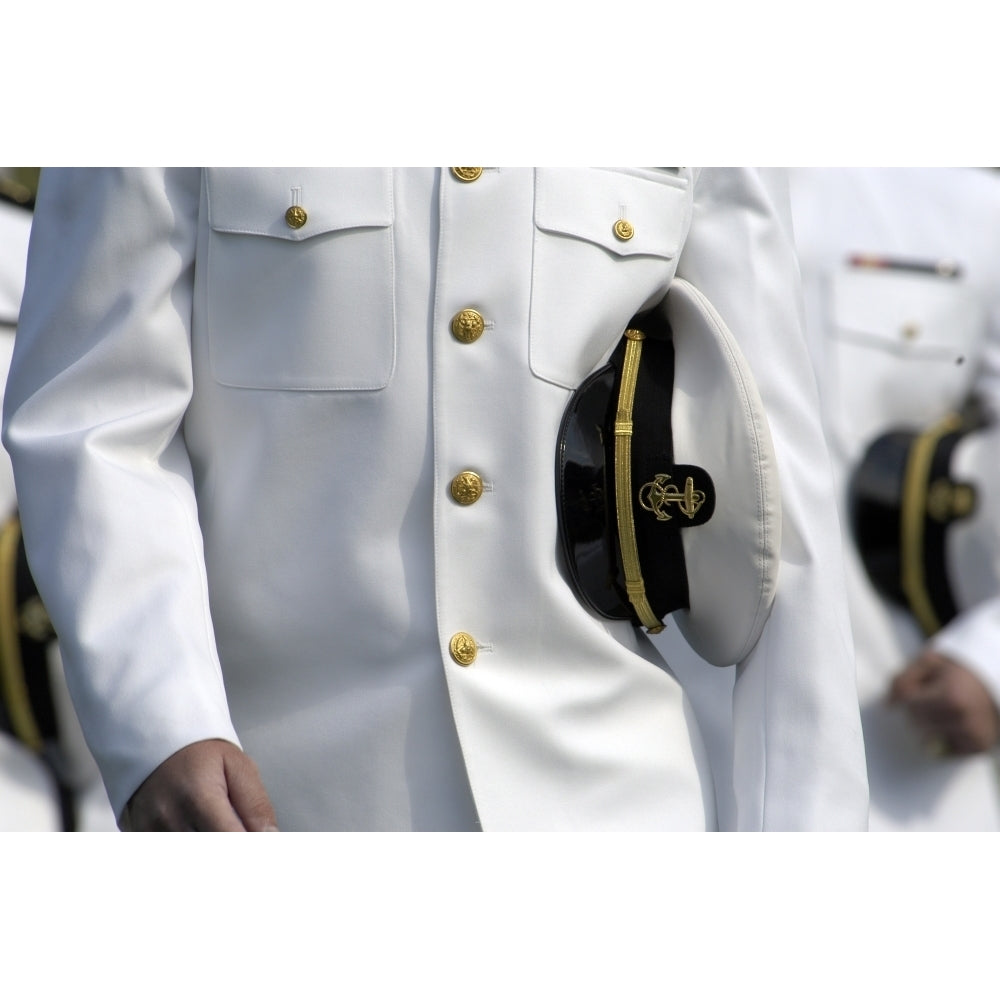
467	174
296	217
463	648
468	326
467	487
656	495
624	230
948	501
34	622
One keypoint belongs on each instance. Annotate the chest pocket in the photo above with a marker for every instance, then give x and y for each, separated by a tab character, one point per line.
905	349
300	281
606	243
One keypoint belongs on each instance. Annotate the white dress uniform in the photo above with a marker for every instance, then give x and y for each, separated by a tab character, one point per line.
28	793
27	799
239	401
900	346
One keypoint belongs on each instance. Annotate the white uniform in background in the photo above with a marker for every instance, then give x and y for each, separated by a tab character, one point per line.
28	791
900	346
236	409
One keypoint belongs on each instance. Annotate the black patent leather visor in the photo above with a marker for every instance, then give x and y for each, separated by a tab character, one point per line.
586	497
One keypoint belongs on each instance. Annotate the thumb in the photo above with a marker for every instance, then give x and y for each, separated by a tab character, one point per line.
247	794
913	679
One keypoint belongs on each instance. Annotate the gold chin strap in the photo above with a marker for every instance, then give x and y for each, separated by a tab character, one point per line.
911	522
12	683
623	483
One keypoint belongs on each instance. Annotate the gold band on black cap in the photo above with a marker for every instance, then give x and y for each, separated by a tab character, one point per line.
619	487
13	684
634	584
912	522
904	499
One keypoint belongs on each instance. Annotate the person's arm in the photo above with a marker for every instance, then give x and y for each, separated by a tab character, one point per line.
99	384
951	689
798	751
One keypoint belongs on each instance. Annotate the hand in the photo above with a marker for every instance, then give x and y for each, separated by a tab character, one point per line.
209	785
948	703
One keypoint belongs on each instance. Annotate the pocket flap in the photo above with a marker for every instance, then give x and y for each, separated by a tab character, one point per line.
586	204
905	312
254	201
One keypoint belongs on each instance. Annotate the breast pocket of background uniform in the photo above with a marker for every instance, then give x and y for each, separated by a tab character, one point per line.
300	278
606	244
905	348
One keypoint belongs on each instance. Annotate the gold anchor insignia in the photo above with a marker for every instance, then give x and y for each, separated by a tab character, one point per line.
656	495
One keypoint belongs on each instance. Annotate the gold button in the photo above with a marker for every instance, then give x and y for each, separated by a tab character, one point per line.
467	174
463	648
467	326
624	229
467	488
948	501
296	217
34	622
910	331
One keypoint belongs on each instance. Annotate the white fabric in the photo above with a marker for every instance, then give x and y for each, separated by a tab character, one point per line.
28	798
896	348
972	545
15	228
15	225
719	422
235	441
28	793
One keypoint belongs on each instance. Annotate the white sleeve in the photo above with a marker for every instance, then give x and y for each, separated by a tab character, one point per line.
987	384
798	752
973	639
99	384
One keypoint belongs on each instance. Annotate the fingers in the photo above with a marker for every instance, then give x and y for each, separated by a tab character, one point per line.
950	705
917	678
247	794
191	790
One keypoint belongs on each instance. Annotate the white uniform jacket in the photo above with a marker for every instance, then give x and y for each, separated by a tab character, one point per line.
235	429
900	347
26	799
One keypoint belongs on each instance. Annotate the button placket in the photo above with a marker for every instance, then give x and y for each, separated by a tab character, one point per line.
466	391
467	326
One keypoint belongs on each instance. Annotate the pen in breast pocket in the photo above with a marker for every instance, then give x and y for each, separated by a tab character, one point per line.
943	268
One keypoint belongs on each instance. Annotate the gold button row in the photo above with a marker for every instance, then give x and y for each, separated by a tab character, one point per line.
467	327
296	216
